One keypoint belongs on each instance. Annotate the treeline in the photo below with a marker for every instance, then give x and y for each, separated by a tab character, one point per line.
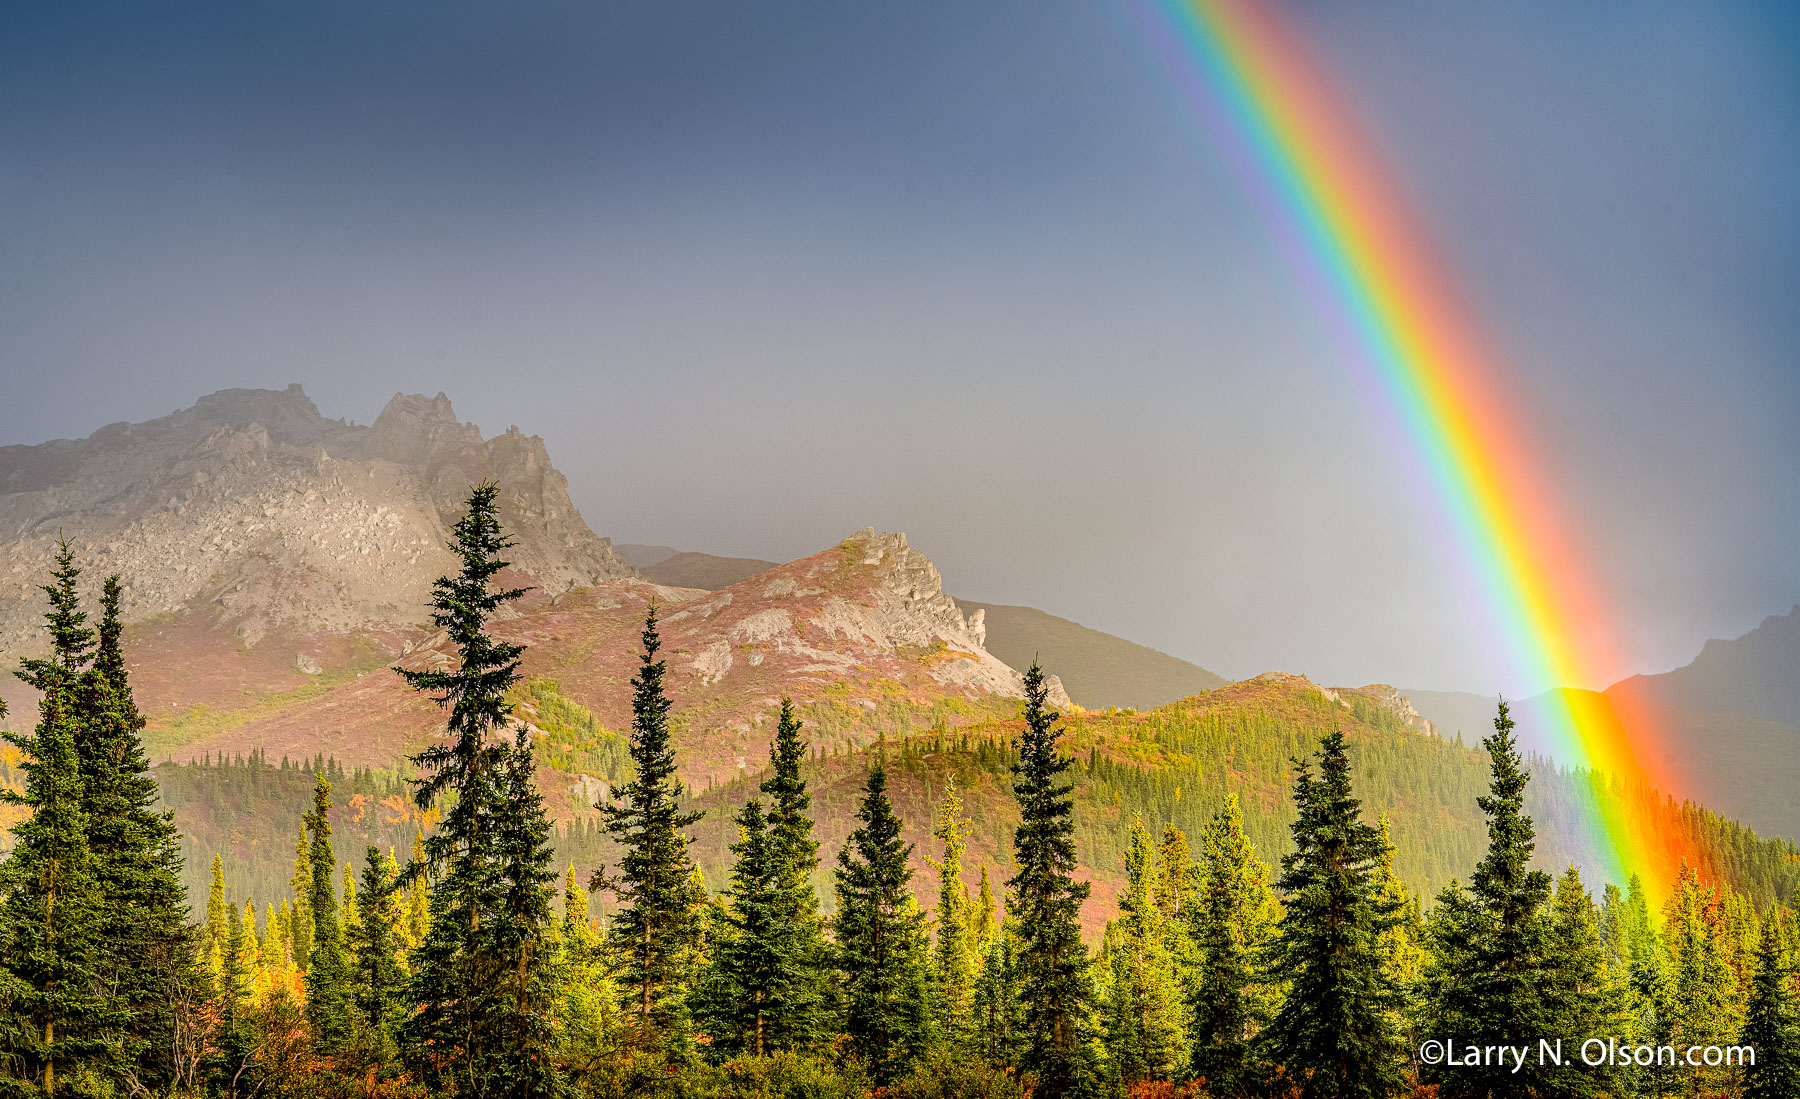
463	973
1175	765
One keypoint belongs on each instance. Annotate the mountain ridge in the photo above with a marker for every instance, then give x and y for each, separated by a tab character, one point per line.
1098	669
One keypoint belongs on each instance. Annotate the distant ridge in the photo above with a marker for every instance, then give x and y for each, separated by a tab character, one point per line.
641	556
1097	669
1729	721
703	570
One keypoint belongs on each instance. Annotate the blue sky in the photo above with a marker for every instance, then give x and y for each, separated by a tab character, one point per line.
765	274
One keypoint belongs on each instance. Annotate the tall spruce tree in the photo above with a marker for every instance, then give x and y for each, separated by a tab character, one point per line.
147	951
1334	1033
60	1017
803	1018
956	956
658	923
328	1007
458	1037
1052	960
881	941
1654	1010
1490	964
1772	1026
1145	1010
1402	946
1232	919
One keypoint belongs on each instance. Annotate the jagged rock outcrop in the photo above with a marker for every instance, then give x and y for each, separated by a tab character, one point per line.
256	511
1390	699
860	636
871	596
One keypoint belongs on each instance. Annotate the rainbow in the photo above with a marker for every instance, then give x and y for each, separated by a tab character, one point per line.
1409	326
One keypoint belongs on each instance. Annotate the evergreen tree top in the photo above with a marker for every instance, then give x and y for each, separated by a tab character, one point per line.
1503	878
487	668
71	640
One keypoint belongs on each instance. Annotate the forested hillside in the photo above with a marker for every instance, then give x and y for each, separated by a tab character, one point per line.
1176	764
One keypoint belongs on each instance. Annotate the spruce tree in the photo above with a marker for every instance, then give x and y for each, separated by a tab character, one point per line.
1652	997
1490	959
956	956
1232	921
378	982
1699	1010
232	1042
803	1018
1146	1016
984	925
418	895
457	1037
1403	945
299	921
1334	1033
658	923
587	1010
753	962
881	941
1052	960
999	1005
251	951
215	917
1579	993
349	913
1176	875
147	950
517	935
1772	1027
328	1008
61	1017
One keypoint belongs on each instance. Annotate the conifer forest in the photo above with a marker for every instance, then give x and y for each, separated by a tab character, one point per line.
1261	947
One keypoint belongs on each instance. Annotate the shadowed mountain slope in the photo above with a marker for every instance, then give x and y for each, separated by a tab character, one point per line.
703	570
1098	669
1723	730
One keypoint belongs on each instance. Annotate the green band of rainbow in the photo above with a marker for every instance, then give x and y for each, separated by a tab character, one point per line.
1444	383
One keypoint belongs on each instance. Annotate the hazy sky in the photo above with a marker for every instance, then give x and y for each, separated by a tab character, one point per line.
763	274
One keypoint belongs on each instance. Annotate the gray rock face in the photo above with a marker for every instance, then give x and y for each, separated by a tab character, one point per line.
253	508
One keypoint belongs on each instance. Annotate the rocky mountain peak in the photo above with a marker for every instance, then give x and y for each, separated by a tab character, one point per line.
871	593
412	428
253	511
